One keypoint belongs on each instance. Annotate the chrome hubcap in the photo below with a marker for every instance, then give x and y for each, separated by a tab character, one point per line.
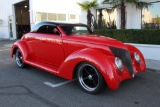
88	77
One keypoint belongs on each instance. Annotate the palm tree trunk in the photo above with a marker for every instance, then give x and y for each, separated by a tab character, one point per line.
123	14
89	17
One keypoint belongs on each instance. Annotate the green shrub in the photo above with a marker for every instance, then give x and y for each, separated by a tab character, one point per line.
132	35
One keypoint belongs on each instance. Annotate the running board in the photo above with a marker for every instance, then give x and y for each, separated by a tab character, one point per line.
49	68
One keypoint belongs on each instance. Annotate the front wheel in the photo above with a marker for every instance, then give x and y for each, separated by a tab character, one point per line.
19	61
89	78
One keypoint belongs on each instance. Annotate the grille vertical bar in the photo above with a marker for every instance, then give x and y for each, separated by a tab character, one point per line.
125	56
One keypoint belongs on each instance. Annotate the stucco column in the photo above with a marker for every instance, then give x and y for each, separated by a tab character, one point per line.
31	12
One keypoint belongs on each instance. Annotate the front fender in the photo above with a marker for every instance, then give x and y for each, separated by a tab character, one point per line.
137	67
23	47
102	62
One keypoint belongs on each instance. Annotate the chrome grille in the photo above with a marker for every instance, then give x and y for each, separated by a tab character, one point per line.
125	56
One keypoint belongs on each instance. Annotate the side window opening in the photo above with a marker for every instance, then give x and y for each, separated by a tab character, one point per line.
47	29
67	29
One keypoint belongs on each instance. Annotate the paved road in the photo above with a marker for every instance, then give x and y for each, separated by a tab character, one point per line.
30	88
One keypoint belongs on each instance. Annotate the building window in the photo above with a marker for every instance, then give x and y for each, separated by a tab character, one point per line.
151	17
52	17
38	16
43	16
72	17
61	17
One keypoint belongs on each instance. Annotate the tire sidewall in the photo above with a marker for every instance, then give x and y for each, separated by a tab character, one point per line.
101	82
16	54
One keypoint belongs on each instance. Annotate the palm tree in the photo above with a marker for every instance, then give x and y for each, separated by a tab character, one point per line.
121	4
86	6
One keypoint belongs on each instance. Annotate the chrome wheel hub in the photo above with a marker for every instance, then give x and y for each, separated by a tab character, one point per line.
90	77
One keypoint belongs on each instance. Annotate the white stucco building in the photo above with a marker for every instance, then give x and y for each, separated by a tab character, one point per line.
18	16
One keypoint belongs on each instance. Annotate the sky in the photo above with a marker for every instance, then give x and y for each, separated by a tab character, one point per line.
155	9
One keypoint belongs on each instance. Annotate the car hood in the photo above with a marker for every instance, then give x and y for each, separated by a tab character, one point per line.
98	39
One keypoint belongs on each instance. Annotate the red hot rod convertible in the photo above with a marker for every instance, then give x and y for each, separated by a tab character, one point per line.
73	51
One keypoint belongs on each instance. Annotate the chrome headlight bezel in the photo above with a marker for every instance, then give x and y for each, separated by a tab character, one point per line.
137	57
119	63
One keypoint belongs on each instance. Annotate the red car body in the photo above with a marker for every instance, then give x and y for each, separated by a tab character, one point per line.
60	54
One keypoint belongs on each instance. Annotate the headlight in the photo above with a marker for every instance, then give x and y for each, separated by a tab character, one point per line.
137	57
119	63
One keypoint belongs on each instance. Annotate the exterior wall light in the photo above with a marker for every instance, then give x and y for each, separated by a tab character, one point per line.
25	6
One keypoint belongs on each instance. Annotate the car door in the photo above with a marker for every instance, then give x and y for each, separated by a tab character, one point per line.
48	47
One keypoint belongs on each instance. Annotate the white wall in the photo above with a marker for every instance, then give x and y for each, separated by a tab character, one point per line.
60	6
133	17
5	12
149	51
6	9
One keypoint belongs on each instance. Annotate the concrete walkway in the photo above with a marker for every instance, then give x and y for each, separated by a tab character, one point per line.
153	64
8	45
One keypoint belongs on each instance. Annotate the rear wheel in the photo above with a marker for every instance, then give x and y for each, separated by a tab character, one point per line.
18	57
89	78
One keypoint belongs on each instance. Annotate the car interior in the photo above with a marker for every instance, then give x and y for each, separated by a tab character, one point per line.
48	30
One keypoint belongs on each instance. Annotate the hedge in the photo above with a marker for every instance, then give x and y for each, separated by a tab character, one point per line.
133	35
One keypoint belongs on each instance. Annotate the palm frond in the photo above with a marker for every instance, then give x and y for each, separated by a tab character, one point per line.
137	3
84	6
132	1
111	2
93	4
110	10
141	5
105	2
87	5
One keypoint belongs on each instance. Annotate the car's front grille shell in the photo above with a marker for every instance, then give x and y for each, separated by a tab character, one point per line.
125	56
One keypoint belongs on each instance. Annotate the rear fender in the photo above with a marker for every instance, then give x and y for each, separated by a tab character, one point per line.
23	47
101	61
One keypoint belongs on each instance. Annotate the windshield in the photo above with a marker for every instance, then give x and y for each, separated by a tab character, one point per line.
76	30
